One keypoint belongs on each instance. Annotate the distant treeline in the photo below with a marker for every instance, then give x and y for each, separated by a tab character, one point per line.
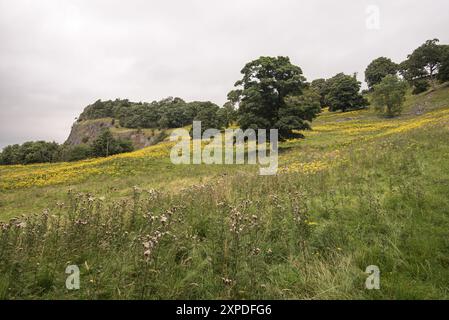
423	67
41	151
166	113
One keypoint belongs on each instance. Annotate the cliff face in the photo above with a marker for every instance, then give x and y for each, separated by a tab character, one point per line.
85	132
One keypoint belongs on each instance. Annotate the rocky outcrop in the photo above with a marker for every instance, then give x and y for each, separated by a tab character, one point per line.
86	131
139	139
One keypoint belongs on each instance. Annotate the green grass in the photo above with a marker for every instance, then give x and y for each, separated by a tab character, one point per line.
381	199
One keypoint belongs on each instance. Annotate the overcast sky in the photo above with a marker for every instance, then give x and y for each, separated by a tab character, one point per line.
58	56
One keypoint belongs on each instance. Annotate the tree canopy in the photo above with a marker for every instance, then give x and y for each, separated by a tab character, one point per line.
378	69
268	96
166	113
30	152
320	85
423	64
344	93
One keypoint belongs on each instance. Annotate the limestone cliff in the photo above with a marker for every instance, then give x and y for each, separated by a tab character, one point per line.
87	131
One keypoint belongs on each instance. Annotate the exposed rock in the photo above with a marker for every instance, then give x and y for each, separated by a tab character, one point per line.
88	130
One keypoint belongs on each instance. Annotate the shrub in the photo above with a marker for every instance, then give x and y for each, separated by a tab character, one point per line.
389	95
420	85
76	153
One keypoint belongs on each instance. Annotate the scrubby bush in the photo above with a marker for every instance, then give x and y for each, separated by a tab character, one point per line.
76	153
420	86
389	95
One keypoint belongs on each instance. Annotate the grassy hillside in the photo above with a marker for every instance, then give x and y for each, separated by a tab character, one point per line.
360	190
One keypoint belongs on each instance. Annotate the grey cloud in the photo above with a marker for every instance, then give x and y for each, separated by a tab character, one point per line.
57	56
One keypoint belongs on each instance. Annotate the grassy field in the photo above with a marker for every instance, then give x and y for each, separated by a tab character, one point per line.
359	190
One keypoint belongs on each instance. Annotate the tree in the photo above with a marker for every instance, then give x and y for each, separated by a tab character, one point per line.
76	153
299	111
105	145
208	114
378	69
344	93
443	72
410	72
10	155
389	95
31	152
321	86
423	63
102	146
227	114
261	95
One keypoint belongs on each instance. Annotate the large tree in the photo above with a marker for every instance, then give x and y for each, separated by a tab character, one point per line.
262	96
378	69
344	93
423	63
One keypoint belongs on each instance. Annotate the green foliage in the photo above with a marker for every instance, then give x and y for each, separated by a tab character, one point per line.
344	93
443	72
166	113
30	152
10	155
424	62
298	113
76	153
105	145
427	57
228	114
410	72
420	85
43	152
389	95
322	87
262	96
378	69
100	109
209	115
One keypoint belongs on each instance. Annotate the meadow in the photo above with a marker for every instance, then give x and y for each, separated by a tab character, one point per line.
359	190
